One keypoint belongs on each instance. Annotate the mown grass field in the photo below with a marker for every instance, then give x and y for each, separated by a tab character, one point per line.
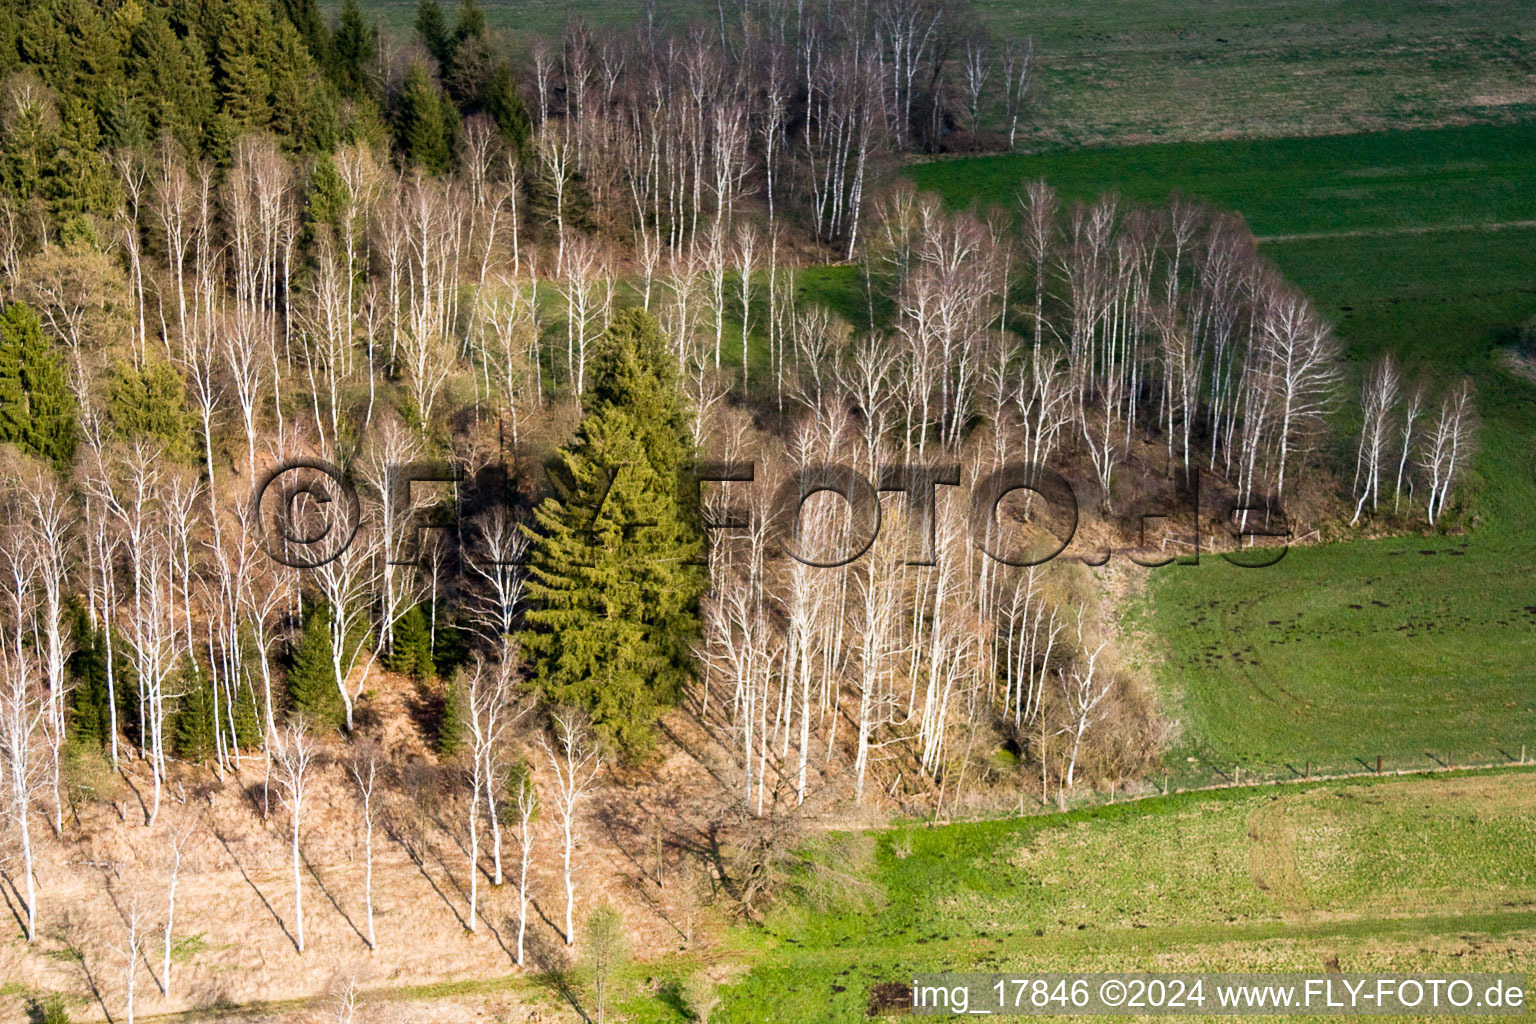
1417	648
1366	875
1202	69
1382	180
1414	649
1196	69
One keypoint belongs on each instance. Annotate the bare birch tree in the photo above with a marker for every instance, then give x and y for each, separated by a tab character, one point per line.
364	770
574	762
135	938
1448	446
21	712
177	841
526	799
1378	397
296	760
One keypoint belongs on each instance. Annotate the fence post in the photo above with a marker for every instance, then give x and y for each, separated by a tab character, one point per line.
1378	764
1309	770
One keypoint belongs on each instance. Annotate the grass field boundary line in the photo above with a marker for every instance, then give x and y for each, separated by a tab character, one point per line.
1089	803
1417	229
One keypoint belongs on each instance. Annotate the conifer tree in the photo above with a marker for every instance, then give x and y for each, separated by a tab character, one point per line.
27	138
311	675
170	80
454	720
614	589
150	403
79	182
89	711
37	409
355	49
76	47
325	198
410	651
305	16
432	28
303	114
196	728
10	39
423	125
470	23
505	106
244	82
129	698
450	640
248	723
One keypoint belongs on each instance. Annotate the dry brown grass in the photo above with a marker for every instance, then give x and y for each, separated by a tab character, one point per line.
235	916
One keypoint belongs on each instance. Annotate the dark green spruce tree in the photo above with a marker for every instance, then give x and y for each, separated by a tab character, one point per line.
150	404
37	409
410	650
305	16
505	106
243	36
248	724
432	28
170	81
614	588
311	675
27	142
196	729
90	713
470	21
422	125
355	48
80	181
303	111
453	722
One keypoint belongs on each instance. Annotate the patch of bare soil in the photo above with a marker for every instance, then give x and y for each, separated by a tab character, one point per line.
235	941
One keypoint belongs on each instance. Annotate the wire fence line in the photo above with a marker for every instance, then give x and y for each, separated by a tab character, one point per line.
1212	777
1207	773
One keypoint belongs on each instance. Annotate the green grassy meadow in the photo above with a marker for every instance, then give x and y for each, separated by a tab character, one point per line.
1210	69
1382	180
1416	649
1364	875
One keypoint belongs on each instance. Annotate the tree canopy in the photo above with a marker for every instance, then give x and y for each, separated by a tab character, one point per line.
615	592
200	73
424	124
37	410
149	404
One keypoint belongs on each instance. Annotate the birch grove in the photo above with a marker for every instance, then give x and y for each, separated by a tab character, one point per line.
1078	337
887	643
